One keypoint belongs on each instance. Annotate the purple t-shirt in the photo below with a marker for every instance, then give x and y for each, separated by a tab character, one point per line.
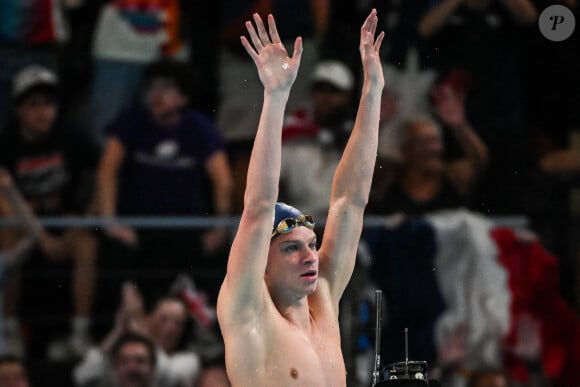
163	172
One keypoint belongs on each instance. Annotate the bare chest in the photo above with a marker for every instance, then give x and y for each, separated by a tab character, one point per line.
314	359
292	358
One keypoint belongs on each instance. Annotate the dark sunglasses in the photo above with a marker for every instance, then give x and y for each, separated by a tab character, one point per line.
288	224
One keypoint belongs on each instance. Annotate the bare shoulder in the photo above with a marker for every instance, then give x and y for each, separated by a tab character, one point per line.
246	331
235	311
243	292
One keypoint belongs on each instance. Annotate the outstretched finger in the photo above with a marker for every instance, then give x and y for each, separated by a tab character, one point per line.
253	54
273	30
297	53
367	23
254	36
379	41
261	29
373	26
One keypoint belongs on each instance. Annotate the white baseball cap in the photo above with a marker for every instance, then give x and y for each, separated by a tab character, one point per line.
32	76
335	73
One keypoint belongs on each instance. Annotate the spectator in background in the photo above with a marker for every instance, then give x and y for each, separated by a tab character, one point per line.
313	138
133	360
165	326
30	32
424	179
553	118
52	168
495	102
558	177
13	372
129	35
156	162
404	97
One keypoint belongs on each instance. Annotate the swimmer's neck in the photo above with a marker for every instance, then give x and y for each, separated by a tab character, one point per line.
297	313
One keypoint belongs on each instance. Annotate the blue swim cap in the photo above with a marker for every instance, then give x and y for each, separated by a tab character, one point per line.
284	211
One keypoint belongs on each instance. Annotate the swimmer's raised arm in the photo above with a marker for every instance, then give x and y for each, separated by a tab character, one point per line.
244	288
353	176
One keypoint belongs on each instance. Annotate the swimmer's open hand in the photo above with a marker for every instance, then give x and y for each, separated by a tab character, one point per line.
276	69
369	48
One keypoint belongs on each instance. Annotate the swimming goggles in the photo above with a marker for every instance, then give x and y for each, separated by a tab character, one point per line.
288	224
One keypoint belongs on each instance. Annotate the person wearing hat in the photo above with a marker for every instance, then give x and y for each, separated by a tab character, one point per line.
314	137
278	305
50	167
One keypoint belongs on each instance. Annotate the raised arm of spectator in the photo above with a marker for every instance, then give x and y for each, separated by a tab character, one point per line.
523	11
450	107
107	186
353	176
130	316
93	369
243	287
437	16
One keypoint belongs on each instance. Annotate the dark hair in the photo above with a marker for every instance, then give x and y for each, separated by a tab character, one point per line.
178	72
479	374
128	338
188	328
168	298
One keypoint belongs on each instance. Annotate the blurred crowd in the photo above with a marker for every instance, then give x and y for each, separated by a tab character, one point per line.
128	108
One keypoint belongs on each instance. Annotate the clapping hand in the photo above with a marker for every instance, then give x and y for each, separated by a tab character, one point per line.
131	314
